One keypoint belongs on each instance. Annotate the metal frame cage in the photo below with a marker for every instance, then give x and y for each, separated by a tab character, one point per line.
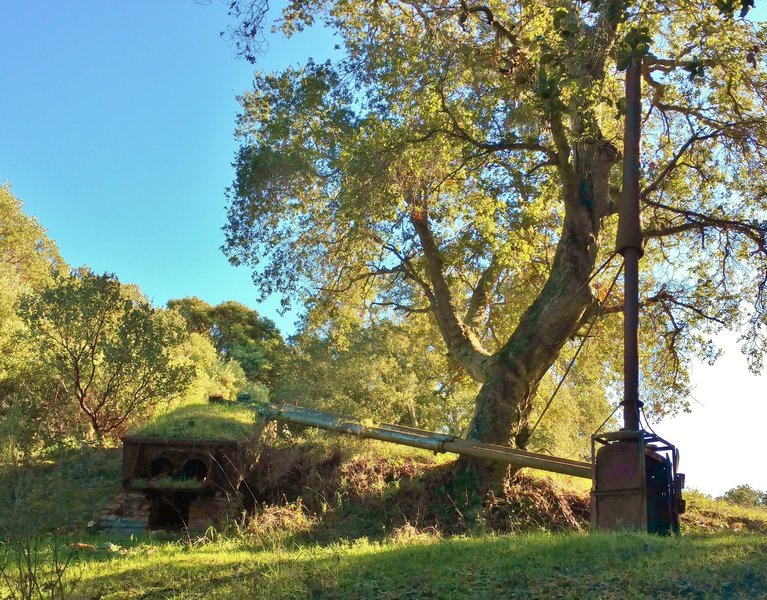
635	485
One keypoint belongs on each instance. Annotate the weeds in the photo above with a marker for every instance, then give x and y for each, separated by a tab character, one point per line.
34	568
273	526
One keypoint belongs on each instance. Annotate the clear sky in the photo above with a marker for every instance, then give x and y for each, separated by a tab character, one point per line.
116	130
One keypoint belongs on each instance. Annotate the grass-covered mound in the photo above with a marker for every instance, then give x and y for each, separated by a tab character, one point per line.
203	421
352	489
321	488
62	491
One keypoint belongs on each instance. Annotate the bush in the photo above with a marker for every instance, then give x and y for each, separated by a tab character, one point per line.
745	495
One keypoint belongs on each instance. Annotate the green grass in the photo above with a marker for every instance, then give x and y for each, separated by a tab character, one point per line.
347	549
62	492
200	422
484	567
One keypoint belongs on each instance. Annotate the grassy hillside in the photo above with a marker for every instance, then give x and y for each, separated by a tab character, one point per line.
202	421
63	491
410	565
359	520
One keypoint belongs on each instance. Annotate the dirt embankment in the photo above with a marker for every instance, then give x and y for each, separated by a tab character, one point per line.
395	491
372	493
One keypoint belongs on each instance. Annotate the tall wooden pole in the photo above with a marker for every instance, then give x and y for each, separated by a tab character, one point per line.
629	244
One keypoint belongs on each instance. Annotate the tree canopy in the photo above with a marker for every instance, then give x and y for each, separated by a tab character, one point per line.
111	350
28	261
238	333
461	160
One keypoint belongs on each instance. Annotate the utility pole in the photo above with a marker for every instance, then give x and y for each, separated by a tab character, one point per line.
629	244
636	485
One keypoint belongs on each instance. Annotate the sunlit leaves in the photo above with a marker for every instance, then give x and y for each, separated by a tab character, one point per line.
476	117
111	351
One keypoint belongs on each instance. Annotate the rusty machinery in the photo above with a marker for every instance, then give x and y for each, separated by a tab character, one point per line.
636	485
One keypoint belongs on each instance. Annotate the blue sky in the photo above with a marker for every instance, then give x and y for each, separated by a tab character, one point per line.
116	131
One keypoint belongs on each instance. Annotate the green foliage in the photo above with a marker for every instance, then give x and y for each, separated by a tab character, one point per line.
418	566
745	495
454	162
706	515
238	333
37	569
61	491
196	314
28	262
634	46
728	7
278	553
383	372
214	375
109	349
203	421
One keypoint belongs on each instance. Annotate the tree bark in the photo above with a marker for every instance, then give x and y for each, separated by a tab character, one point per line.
505	401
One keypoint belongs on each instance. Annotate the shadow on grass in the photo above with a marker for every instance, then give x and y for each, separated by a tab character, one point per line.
523	566
62	492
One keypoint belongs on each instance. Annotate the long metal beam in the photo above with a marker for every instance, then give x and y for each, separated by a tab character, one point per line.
419	438
629	243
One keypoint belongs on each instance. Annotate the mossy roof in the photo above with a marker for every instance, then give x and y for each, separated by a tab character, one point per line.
204	421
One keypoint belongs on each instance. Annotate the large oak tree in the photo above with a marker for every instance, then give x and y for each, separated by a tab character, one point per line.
463	159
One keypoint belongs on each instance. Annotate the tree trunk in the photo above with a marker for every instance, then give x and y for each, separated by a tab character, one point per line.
505	400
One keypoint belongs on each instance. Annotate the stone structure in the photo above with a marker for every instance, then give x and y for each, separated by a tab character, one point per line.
176	484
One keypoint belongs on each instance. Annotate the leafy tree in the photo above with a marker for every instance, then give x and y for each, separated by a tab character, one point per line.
745	495
463	159
28	261
238	333
378	372
111	351
196	313
213	374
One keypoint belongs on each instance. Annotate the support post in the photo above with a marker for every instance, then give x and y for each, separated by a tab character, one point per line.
635	484
629	244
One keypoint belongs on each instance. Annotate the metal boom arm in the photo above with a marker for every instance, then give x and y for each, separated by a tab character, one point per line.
418	438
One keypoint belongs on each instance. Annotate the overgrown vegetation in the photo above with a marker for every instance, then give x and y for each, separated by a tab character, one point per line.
338	518
441	197
455	168
520	566
202	421
356	521
61	492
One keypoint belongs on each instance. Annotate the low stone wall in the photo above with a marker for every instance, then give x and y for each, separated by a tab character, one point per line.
127	513
136	511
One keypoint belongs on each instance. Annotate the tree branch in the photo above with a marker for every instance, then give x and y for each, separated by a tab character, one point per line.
462	343
403	308
480	297
459	131
674	162
755	231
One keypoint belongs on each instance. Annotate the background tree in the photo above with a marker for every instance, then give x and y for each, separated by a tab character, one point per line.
110	349
28	262
238	333
214	375
745	495
461	159
196	313
379	371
